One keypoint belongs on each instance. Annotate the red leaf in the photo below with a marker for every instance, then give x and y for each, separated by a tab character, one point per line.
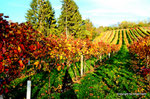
21	63
1	14
3	50
6	69
22	47
15	51
1	67
6	90
4	82
0	45
38	45
6	16
32	47
1	92
1	57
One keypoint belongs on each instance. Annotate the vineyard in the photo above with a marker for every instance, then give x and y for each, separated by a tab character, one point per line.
66	67
130	35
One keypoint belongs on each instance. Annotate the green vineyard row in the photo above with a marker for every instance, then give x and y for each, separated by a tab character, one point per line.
130	35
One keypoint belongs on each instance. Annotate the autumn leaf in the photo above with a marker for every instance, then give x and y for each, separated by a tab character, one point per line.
19	49
21	63
42	94
38	45
59	68
1	14
6	16
91	94
36	63
0	45
18	32
3	50
15	51
22	47
76	90
6	90
32	47
61	57
1	57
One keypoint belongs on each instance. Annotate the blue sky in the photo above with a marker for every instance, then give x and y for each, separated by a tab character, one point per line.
100	12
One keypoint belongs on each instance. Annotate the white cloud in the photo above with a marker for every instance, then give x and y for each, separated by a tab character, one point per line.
115	10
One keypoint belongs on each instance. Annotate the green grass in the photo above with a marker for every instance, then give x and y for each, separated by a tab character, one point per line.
118	37
133	34
111	78
143	31
128	37
114	36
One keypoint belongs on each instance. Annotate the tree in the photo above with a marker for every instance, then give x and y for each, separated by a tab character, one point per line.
70	21
90	32
42	16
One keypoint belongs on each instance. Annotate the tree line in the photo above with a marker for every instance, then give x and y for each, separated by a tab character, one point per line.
123	25
70	23
42	17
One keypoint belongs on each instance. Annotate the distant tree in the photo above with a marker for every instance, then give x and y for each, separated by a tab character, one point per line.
41	16
70	21
90	32
140	24
100	29
126	24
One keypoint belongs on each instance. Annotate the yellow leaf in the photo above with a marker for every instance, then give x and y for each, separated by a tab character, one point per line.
61	57
76	90
59	68
36	63
117	82
59	45
19	49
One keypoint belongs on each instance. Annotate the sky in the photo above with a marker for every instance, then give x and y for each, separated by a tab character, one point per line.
100	12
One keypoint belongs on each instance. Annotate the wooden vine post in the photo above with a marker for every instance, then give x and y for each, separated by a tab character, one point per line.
108	55
100	58
28	95
1	97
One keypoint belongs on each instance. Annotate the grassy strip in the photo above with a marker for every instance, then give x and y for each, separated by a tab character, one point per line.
113	37
143	31
104	36
125	37
131	32
108	35
111	34
128	37
136	33
118	37
121	40
111	78
139	32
